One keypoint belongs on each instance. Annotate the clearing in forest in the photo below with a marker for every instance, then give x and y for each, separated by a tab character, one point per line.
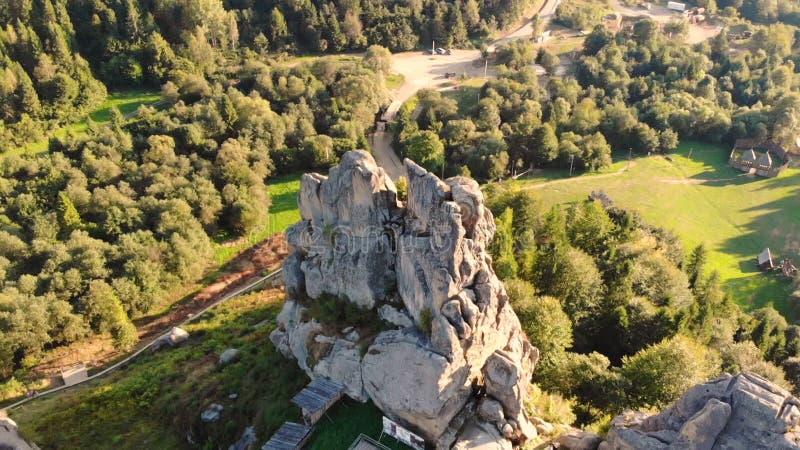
127	102
703	200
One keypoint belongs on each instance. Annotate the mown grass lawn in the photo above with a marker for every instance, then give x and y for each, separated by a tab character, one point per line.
703	201
127	102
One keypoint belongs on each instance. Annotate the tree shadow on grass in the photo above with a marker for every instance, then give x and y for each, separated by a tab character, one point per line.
775	224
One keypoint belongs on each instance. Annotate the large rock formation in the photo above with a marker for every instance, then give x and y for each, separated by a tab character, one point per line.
744	411
450	339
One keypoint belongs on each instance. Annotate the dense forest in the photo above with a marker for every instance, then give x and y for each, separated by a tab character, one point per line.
95	232
624	316
639	90
58	57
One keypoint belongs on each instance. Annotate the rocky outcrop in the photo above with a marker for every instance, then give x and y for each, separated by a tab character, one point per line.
451	340
744	411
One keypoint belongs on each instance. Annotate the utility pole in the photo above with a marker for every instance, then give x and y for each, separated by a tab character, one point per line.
630	156
571	160
485	67
433	48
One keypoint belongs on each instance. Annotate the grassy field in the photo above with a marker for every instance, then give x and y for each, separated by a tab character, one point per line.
703	201
395	80
467	95
282	212
127	102
157	400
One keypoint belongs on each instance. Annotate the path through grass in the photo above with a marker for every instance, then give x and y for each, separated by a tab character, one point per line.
704	200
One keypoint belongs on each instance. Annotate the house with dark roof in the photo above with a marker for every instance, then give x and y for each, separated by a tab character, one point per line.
766	159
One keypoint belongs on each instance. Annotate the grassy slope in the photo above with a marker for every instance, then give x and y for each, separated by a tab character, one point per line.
126	102
704	200
157	399
282	212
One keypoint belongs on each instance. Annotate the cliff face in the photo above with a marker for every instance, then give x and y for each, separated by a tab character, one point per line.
451	362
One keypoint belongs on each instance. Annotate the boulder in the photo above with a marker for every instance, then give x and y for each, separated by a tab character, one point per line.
481	436
394	316
701	430
490	410
578	440
212	413
743	411
228	356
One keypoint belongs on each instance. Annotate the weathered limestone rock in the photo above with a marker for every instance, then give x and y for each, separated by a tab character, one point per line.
578	440
412	384
700	432
481	436
228	356
212	413
422	266
394	316
247	441
744	411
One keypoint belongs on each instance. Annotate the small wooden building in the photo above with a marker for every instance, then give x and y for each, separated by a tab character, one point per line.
364	442
767	159
765	260
318	397
290	436
74	375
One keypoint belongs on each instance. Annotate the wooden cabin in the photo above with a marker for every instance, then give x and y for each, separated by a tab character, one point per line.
766	159
765	260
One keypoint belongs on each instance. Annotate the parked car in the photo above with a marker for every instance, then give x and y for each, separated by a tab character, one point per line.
441	51
450	75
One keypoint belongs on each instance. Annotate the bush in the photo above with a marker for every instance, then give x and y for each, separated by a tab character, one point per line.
425	321
329	309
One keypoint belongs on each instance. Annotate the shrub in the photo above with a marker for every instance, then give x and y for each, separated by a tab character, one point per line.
425	321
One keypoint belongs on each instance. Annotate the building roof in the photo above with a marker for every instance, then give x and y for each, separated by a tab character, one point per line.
765	159
749	155
364	442
765	257
318	395
290	436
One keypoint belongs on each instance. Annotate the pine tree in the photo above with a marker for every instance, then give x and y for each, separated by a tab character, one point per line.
696	264
68	214
458	31
278	27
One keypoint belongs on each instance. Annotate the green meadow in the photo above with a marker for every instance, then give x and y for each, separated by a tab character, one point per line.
127	102
697	195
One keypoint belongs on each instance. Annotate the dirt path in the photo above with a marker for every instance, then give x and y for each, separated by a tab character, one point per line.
385	155
98	351
591	177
